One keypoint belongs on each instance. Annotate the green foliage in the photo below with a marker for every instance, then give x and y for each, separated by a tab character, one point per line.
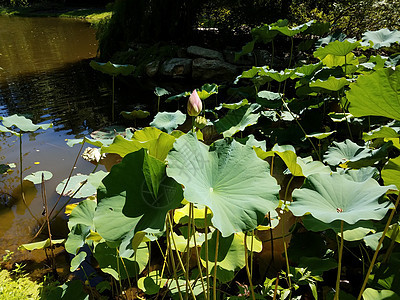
18	288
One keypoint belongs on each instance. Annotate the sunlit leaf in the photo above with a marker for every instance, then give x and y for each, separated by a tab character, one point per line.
228	178
40	245
237	120
376	94
334	197
77	260
332	84
337	48
36	177
126	202
391	172
78	187
167	121
23	123
320	135
381	38
372	294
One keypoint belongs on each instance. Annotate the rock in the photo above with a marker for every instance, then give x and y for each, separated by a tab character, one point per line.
205	53
212	69
244	60
152	68
177	67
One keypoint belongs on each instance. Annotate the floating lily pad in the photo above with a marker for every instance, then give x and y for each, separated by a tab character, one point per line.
74	184
36	177
228	178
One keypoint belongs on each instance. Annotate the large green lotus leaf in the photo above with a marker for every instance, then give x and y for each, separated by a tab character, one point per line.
120	267
229	178
375	156
76	183
384	132
360	175
40	245
337	48
5	129
333	61
112	69
231	255
376	94
381	38
307	70
167	121
135	114
332	84
157	142
335	197
372	294
36	177
23	123
391	172
246	49
345	151
237	120
97	143
250	140
126	200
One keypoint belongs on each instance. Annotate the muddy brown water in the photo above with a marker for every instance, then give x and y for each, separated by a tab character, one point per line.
44	74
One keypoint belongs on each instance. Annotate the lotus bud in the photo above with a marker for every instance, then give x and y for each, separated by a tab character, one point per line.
200	122
194	105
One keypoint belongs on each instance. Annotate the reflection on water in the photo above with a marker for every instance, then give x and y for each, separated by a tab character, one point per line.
44	74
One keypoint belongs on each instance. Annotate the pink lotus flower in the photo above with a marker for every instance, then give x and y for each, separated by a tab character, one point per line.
194	105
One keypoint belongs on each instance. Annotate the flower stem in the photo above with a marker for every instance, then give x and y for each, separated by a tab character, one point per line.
339	262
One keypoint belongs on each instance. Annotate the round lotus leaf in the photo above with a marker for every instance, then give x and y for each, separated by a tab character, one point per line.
228	178
36	177
337	48
167	121
78	187
381	38
336	197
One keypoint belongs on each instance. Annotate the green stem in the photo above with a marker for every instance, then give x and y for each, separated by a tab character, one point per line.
246	258
215	267
188	244
206	250
197	251
158	104
302	129
171	255
378	247
339	262
21	180
113	99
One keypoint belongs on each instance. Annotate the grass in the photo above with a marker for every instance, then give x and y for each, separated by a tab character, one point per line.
20	287
91	15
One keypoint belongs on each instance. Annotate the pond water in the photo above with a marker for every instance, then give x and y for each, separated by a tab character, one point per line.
45	75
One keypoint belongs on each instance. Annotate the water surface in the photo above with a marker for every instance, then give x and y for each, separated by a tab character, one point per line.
44	74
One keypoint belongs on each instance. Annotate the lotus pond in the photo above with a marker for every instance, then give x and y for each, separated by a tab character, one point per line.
289	190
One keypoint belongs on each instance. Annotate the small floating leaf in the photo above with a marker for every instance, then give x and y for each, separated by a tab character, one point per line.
36	177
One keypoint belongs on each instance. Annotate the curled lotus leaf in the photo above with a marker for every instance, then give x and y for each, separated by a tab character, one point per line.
381	38
24	124
336	197
168	121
